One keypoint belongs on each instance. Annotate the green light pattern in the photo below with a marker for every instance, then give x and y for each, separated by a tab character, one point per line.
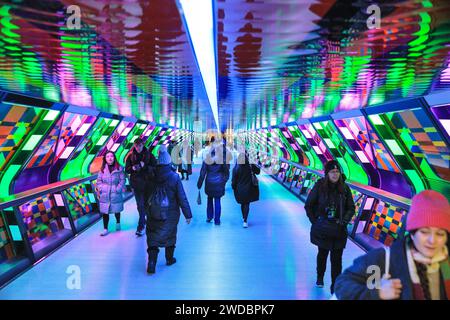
341	152
85	153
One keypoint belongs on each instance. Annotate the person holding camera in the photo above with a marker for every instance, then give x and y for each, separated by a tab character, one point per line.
139	165
330	208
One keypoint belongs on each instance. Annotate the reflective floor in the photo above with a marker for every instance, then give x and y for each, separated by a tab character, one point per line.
272	259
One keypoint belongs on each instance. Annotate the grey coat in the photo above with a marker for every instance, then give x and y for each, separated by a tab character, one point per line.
110	188
164	233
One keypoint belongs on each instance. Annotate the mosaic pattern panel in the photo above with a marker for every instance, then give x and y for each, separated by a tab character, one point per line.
381	124
299	177
55	144
341	152
310	181
114	142
290	175
41	218
33	125
85	153
15	123
79	199
316	142
294	152
421	137
386	223
358	199
313	160
6	244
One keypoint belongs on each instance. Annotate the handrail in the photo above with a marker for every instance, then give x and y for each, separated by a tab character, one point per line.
390	197
19	198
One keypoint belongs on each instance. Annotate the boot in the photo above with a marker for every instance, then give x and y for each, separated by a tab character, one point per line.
170	260
152	258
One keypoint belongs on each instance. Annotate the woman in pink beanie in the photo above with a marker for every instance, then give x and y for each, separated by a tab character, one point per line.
419	267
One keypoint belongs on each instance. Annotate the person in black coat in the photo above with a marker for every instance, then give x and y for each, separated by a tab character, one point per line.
330	208
216	174
139	164
419	263
186	154
244	189
163	233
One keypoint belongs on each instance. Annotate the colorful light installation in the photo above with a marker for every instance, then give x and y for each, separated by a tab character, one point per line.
113	144
86	152
315	142
23	128
125	147
341	152
43	167
418	135
313	160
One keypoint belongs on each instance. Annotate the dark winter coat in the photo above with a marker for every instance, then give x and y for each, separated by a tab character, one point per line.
110	188
186	162
140	180
315	207
216	176
241	182
352	283
164	233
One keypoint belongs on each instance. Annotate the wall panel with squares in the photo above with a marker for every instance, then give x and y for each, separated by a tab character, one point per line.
386	222
41	217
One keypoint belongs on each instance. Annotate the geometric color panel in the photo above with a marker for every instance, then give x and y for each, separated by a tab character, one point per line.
386	223
41	218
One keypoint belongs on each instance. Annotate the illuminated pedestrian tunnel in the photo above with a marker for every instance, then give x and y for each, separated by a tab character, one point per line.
299	83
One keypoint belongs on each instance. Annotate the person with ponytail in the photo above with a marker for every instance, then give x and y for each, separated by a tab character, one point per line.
419	262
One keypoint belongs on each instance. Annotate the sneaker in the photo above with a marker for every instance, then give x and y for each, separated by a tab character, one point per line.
104	233
208	220
139	233
217	223
319	283
245	224
118	228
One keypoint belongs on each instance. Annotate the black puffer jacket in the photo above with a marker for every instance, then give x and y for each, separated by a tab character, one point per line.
216	176
315	207
241	182
164	233
140	180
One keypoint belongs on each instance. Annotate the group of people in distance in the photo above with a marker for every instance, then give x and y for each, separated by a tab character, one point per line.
148	174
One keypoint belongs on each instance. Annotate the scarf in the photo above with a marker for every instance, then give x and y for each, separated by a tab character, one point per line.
440	262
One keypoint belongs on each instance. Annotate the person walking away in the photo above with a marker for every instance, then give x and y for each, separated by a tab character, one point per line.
162	223
215	173
330	208
246	190
186	154
140	164
110	188
419	263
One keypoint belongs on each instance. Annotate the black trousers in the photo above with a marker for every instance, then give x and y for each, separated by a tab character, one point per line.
245	208
336	263
106	219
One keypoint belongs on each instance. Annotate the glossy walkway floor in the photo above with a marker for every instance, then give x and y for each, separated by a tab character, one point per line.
272	259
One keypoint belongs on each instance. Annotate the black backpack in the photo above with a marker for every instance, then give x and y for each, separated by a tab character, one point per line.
158	204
